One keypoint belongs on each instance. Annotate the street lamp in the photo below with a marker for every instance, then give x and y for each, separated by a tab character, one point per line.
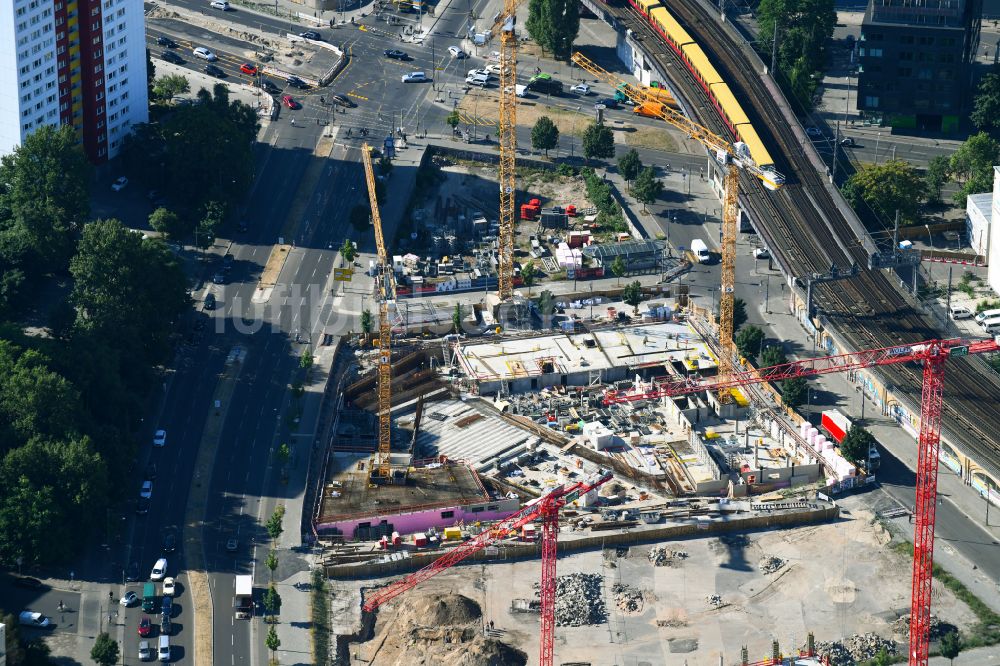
861	392
878	135
930	238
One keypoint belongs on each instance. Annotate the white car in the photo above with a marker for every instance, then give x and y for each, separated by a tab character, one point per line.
168	587
220	4
478	80
129	599
456	52
414	77
160	438
761	253
147	489
581	89
120	184
159	571
205	54
493	68
34	619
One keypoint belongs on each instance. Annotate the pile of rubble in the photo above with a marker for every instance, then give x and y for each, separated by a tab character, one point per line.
579	600
627	598
714	600
854	649
770	564
665	557
901	627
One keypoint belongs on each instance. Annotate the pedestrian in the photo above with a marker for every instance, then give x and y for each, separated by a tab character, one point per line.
60	605
293	122
491	625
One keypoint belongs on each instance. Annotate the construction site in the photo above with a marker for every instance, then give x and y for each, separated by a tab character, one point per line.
538	492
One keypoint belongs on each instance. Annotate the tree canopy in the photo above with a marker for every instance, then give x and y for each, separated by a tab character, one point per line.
986	105
972	165
856	444
793	392
804	28
876	192
748	342
772	355
629	166
544	135
105	651
632	295
647	187
554	24
739	313
598	141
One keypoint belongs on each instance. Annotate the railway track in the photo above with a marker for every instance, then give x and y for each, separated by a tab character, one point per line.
802	223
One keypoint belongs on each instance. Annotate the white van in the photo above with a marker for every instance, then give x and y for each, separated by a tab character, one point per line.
414	77
991	325
164	652
700	251
959	312
986	314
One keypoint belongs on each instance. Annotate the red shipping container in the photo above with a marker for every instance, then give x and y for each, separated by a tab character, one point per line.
835	424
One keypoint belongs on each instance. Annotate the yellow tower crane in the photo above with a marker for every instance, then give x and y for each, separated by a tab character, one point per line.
381	470
734	157
507	138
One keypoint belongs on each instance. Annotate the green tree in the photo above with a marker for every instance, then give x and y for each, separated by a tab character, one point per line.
528	275
935	177
306	360
554	24
951	645
632	295
212	216
804	28
105	650
772	355
647	187
986	106
283	453
546	303
384	165
453	119
598	141
168	222
348	251
544	135
274	527
272	642
618	268
856	444
880	190
43	190
128	290
360	218
883	658
739	313
456	318
272	601
366	322
629	166
150	70
748	342
167	87
793	392
972	165
271	562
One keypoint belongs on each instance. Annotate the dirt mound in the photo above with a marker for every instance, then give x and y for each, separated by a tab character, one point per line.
439	610
487	652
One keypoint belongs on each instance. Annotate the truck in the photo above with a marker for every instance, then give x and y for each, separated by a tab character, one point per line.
243	598
653	94
700	251
649	109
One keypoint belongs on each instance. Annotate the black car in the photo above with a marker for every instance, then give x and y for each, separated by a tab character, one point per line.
210	302
216	71
296	82
343	100
311	34
28	582
132	572
267	86
142	508
170	56
610	103
395	54
166	607
227	261
169	542
151	471
165	627
166	41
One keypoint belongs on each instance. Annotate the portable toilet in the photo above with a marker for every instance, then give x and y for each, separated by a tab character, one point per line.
396	540
452	533
420	540
528	532
383	543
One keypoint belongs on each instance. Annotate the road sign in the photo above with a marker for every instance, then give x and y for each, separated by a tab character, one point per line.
342	274
959	351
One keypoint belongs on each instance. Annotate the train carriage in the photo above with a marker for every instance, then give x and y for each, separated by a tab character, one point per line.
725	102
701	67
644	6
667	25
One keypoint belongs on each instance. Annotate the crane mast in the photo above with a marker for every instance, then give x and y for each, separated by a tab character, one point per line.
932	355
733	160
507	137
381	469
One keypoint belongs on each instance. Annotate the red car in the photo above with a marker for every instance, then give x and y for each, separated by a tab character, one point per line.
145	626
290	102
247	68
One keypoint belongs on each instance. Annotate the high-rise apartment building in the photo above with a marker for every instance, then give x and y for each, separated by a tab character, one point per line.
72	62
915	60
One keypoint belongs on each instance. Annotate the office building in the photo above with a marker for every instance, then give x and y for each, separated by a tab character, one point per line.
915	62
72	62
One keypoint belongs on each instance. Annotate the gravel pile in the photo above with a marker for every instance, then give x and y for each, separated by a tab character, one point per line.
854	649
627	598
901	627
579	600
665	557
714	600
769	564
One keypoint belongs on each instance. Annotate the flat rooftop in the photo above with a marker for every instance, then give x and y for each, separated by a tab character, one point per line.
634	346
348	493
465	430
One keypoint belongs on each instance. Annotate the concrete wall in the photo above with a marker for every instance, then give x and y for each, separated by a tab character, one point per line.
692	529
421	521
993	275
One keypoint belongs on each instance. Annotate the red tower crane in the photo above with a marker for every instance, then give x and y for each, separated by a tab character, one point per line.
932	355
547	508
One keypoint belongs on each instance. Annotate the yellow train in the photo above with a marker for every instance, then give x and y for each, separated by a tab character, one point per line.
697	62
